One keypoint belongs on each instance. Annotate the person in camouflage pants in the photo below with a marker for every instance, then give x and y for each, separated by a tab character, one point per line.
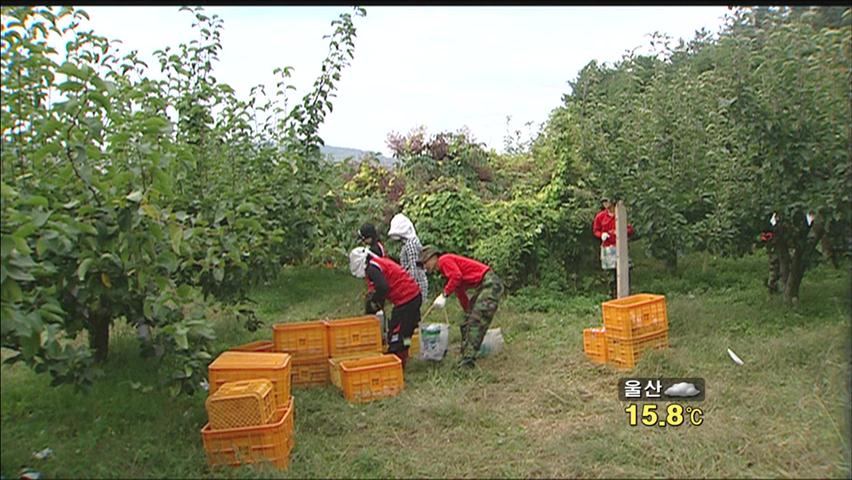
484	304
464	273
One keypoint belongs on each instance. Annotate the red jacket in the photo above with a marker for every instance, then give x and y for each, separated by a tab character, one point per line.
401	287
461	273
605	222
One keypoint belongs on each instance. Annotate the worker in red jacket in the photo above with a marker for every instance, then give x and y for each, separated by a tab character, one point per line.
463	273
604	229
388	280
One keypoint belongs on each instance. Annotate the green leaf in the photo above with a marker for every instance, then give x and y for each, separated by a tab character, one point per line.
175	236
184	291
6	246
12	291
134	196
25	231
70	69
168	260
50	126
84	267
100	100
70	86
181	340
35	201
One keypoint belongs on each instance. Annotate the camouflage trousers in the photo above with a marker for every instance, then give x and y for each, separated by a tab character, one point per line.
483	305
774	270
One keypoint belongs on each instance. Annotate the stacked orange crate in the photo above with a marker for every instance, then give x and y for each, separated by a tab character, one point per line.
307	342
349	339
271	442
250	409
633	325
236	366
258	346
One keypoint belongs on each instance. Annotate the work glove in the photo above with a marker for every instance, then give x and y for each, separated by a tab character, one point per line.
604	236
440	301
371	307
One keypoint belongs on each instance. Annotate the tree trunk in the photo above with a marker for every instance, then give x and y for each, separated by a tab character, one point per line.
99	336
671	264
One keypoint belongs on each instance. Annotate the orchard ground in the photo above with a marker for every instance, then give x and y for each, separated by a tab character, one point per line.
538	409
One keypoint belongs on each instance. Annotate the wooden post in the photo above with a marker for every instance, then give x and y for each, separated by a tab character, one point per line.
622	265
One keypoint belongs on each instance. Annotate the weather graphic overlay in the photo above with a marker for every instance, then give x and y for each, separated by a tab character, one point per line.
677	393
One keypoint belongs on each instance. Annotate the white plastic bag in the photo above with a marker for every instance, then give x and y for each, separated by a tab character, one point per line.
434	341
492	343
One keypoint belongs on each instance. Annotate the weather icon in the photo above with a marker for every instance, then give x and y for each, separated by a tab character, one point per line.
682	389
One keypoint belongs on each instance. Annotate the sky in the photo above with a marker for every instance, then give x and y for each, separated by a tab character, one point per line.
441	67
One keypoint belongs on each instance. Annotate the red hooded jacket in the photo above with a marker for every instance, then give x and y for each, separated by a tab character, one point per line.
605	223
461	273
401	287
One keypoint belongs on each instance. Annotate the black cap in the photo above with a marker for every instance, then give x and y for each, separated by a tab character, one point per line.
368	230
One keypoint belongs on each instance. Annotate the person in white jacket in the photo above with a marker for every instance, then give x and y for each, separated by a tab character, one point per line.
402	229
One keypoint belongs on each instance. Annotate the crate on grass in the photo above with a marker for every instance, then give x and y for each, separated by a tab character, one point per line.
371	378
271	442
241	404
334	366
305	341
347	336
625	353
594	344
635	316
311	374
236	366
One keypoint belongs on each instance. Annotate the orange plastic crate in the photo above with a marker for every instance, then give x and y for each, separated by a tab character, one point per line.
305	341
236	366
272	442
347	336
371	378
334	366
258	346
311	374
241	404
635	316
594	344
625	354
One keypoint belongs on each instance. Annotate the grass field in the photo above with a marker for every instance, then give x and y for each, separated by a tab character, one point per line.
538	409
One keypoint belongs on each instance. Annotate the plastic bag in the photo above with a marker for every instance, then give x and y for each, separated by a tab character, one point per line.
434	341
609	258
492	343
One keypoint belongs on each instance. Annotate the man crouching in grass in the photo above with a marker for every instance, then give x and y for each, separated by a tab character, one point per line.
463	273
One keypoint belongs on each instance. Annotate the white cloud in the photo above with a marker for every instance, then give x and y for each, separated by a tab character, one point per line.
443	67
682	389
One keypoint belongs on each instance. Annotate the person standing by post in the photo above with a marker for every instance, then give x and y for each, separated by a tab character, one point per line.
604	229
463	273
402	229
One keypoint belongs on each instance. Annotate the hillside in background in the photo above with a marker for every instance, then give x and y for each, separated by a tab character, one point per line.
338	154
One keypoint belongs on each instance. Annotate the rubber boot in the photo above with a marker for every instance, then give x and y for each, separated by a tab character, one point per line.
403	356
